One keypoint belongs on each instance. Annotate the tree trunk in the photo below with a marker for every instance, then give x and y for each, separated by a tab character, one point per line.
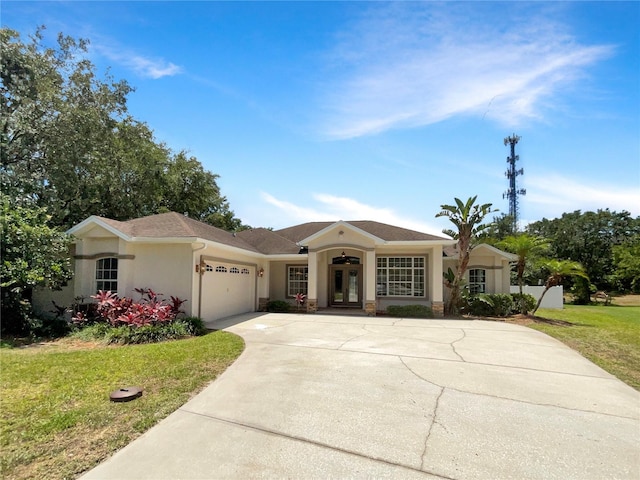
540	299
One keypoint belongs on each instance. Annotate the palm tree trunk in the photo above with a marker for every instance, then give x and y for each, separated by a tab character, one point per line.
546	289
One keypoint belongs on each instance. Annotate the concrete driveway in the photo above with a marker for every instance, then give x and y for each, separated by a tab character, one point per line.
324	396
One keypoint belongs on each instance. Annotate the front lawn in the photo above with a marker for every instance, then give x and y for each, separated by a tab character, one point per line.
609	336
56	417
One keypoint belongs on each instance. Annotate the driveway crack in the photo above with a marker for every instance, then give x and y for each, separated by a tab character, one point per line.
433	422
354	337
453	347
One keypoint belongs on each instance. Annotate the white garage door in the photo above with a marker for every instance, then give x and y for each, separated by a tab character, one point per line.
227	289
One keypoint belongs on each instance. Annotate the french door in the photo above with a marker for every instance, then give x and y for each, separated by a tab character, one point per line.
345	286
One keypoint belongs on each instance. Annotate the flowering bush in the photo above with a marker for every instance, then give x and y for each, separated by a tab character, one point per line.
151	309
300	298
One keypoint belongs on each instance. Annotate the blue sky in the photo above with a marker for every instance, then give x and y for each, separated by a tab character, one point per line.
314	111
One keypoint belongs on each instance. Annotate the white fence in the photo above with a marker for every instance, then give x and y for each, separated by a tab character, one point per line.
552	299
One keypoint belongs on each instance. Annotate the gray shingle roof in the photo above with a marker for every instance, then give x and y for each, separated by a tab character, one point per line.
383	231
261	240
173	224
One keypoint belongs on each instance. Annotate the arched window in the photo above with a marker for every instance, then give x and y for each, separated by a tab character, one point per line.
107	274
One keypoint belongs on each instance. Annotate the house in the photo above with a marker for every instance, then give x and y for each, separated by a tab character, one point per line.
358	265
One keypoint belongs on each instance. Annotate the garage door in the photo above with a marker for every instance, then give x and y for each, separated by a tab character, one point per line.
227	289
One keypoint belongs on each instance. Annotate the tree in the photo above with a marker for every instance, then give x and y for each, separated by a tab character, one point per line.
68	142
559	270
626	260
524	246
34	254
501	227
467	217
191	190
588	238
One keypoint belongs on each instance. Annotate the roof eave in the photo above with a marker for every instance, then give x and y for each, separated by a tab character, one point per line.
98	221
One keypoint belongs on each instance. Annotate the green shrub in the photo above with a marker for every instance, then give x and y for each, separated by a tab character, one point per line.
127	334
491	304
278	306
529	302
409	311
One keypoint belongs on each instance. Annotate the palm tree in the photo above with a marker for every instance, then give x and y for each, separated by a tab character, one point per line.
524	246
558	270
467	217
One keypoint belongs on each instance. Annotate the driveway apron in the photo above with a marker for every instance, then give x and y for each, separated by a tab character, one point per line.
327	396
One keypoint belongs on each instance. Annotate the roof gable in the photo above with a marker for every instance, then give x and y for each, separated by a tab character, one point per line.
382	231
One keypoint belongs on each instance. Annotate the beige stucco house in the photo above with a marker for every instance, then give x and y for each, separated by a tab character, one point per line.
359	265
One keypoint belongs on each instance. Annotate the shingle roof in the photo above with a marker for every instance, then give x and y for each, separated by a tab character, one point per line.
383	231
268	242
261	240
173	224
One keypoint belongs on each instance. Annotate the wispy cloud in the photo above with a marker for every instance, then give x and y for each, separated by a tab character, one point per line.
412	64
145	67
555	194
333	208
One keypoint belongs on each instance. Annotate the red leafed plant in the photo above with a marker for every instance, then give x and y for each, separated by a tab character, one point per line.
149	310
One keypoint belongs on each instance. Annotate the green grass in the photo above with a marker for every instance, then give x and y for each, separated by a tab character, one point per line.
608	336
56	418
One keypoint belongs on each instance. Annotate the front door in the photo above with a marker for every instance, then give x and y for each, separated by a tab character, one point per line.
346	286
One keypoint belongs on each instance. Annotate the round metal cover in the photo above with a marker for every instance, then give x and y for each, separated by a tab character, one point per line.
125	394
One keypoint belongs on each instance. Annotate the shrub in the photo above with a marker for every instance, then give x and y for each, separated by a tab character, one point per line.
491	304
529	302
278	306
151	309
127	334
409	311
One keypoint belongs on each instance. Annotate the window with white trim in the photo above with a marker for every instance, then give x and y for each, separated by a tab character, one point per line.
400	276
297	280
107	274
477	280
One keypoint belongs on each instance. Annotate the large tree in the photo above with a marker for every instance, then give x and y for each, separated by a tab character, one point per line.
588	238
467	218
33	254
69	143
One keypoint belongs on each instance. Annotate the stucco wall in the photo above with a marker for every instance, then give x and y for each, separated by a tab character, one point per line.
552	299
164	268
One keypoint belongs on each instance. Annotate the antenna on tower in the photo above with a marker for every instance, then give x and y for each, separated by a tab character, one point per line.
513	192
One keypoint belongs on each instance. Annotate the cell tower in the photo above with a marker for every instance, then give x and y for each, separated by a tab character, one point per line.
512	174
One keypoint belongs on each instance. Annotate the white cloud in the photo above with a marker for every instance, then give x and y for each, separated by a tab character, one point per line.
555	194
145	67
416	64
333	208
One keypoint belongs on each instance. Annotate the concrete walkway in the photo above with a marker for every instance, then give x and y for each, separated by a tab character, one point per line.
325	396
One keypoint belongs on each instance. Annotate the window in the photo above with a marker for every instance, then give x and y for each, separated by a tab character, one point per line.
107	274
221	269
234	270
245	271
477	280
400	277
208	268
297	280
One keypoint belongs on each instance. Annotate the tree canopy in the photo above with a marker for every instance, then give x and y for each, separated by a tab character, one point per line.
589	238
68	142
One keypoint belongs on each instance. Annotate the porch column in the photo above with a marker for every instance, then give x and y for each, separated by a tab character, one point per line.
312	283
437	303
370	282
